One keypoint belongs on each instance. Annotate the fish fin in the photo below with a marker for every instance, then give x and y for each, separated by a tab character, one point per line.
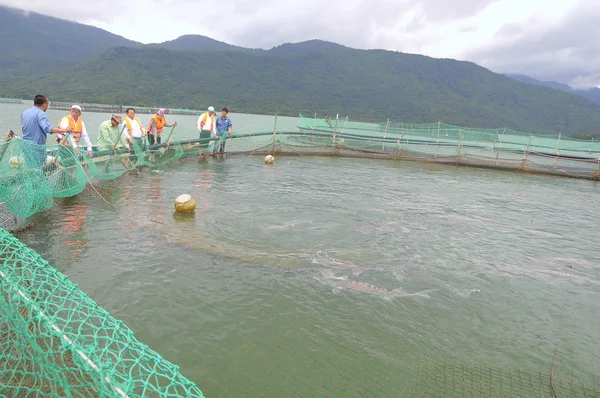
425	293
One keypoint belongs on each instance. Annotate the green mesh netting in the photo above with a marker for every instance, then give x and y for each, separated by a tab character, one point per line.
56	341
10	222
30	176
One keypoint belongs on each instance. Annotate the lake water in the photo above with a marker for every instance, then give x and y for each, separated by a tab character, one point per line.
497	272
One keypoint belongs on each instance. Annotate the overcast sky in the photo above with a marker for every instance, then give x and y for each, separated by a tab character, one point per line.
546	39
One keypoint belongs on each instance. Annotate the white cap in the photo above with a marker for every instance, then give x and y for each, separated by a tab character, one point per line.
211	109
76	107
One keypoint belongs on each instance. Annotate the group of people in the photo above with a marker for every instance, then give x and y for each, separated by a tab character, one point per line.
116	133
211	126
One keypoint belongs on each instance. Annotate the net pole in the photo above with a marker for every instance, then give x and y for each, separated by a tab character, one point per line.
387	125
526	153
337	118
274	135
557	149
438	137
459	149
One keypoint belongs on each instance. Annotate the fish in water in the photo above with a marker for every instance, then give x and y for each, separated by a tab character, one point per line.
290	224
325	260
342	282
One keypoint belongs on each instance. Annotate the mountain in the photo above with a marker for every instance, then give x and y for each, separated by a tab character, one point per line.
308	46
593	94
364	84
196	43
34	43
74	62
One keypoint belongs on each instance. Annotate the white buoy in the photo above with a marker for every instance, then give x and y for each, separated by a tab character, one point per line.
269	159
185	204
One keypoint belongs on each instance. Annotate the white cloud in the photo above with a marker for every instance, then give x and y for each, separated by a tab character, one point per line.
562	47
541	38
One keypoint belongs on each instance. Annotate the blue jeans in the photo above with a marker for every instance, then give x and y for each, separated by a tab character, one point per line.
219	147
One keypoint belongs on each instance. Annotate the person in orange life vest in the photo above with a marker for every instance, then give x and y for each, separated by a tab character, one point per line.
73	122
133	131
206	126
156	125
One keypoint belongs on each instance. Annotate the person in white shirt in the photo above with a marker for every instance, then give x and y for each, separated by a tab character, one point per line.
73	121
133	130
206	124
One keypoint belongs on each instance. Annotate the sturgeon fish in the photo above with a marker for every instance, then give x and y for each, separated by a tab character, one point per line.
325	260
342	282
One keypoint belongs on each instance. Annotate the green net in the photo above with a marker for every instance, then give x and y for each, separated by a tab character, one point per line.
56	341
31	175
10	222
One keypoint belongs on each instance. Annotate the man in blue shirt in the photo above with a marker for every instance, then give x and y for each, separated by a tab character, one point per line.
36	128
223	124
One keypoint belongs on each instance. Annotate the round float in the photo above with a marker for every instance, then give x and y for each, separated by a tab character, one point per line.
185	204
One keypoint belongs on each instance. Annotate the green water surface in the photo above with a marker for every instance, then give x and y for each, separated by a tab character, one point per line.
241	296
232	294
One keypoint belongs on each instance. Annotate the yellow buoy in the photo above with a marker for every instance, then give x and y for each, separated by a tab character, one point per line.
185	204
269	159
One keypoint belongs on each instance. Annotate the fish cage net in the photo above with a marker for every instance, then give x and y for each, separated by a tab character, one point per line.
311	359
56	341
10	222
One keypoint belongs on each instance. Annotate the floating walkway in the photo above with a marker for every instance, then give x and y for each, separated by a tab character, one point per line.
107	108
10	101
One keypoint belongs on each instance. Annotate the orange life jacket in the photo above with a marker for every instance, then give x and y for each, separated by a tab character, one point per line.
205	119
128	124
160	123
77	128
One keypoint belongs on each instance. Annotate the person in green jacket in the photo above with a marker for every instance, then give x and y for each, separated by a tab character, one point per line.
110	134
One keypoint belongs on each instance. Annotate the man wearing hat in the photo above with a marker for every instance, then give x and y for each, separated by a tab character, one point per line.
110	134
73	122
206	126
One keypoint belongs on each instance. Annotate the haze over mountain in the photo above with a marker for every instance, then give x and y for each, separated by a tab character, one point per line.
47	55
593	94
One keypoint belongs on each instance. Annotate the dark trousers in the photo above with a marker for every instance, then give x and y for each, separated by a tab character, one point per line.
151	139
204	139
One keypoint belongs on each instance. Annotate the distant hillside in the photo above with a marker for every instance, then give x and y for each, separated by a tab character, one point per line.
196	43
308	46
592	94
308	78
34	43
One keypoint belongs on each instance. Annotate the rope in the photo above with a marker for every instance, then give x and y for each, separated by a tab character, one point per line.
86	176
552	372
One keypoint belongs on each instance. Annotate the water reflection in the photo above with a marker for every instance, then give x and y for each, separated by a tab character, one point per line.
73	233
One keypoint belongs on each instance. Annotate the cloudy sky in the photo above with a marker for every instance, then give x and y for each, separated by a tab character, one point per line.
546	39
